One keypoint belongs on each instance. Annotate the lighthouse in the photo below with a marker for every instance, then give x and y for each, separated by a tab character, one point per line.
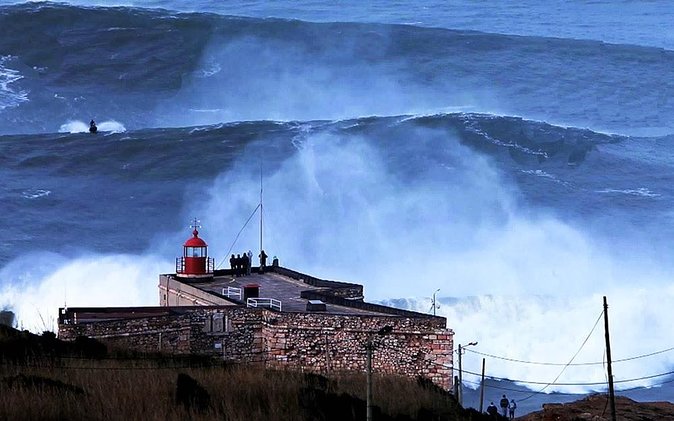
195	262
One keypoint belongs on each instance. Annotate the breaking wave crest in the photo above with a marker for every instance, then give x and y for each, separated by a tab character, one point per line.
552	343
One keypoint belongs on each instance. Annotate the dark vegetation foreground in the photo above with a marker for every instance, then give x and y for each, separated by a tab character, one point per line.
42	377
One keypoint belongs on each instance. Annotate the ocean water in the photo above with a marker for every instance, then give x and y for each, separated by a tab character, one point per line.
518	157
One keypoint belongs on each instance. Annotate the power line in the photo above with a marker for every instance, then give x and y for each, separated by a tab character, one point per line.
644	355
572	358
652	376
510	389
239	233
573	364
644	377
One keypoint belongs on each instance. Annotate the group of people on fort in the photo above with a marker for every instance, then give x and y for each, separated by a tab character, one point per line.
241	263
507	408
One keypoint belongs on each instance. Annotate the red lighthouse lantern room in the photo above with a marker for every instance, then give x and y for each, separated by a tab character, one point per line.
195	262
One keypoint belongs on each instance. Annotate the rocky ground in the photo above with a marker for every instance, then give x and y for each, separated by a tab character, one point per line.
597	408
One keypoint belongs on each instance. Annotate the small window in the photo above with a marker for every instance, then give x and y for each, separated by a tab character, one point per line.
207	325
195	251
217	322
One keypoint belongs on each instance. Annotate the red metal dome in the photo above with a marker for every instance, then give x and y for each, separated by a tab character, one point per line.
195	241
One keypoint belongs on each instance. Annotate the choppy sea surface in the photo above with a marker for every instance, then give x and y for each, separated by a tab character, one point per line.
516	156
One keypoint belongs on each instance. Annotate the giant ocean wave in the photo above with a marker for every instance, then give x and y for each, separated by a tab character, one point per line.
524	176
157	68
404	204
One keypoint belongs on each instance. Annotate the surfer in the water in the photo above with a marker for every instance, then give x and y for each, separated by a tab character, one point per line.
92	127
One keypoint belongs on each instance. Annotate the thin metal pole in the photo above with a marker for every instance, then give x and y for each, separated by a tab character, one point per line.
460	379
369	379
482	387
434	302
261	210
611	393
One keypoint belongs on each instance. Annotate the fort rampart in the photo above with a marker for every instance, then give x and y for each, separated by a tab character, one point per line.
308	341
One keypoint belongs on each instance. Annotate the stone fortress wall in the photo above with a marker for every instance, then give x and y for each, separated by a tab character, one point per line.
316	342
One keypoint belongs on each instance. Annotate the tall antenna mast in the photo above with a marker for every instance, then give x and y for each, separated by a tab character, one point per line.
261	210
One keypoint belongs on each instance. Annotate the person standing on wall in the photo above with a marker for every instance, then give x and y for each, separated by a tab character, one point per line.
238	265
513	406
246	264
491	410
504	406
250	260
263	260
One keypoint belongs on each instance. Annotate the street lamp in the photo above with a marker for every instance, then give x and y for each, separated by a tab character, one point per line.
434	304
369	346
460	388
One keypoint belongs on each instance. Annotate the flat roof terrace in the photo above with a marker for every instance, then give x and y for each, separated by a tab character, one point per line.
288	290
295	290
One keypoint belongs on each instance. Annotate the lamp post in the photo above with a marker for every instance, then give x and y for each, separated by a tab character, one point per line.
460	388
434	304
369	347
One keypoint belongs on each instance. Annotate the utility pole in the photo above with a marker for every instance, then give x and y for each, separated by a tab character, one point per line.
611	393
461	350
482	387
369	347
460	398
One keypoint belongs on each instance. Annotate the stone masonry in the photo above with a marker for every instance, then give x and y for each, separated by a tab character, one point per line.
306	341
276	317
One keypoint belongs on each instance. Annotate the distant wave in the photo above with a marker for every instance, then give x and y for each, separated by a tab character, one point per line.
224	69
513	138
627	23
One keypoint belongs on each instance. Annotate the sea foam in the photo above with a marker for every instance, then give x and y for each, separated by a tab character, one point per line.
9	97
531	339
